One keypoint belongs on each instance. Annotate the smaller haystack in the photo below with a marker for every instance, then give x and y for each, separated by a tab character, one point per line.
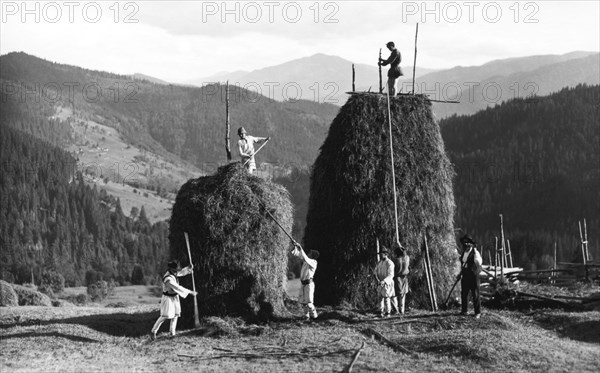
240	252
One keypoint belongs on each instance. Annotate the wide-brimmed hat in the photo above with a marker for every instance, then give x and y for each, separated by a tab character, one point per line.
240	130
467	239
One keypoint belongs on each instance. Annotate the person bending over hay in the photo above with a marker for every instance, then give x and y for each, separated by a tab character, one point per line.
170	308
384	273
307	290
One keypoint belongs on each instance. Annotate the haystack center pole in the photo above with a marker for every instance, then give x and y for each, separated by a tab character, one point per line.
380	80
353	78
415	62
393	168
227	125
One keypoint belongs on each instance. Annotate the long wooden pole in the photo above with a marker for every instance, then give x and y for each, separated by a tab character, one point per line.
555	266
378	251
582	244
503	251
353	78
393	169
587	251
415	61
196	318
428	283
432	285
380	80
227	125
510	254
496	259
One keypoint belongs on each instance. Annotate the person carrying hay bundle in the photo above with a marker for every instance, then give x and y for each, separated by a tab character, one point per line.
401	263
170	308
246	148
384	273
307	290
470	261
395	71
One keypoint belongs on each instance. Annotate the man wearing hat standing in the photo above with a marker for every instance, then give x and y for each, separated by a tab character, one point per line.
470	261
395	71
246	148
384	273
170	308
401	262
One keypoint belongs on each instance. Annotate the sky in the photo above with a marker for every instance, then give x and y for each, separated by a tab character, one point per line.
183	41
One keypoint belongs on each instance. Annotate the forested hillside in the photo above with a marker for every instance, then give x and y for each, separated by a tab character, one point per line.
536	162
187	122
51	220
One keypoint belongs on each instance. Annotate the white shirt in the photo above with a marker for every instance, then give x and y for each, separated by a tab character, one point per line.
308	267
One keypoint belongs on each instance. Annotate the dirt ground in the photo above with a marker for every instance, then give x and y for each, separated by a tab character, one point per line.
78	339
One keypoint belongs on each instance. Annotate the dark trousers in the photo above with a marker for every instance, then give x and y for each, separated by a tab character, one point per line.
470	283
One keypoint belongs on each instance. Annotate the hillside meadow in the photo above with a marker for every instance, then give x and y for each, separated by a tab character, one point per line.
101	338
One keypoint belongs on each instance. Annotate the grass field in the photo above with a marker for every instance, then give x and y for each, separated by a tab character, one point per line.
76	339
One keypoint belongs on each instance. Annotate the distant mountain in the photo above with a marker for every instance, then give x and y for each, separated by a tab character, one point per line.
479	87
319	78
170	120
138	76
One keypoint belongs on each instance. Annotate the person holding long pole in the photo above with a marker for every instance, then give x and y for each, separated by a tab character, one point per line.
170	308
307	290
246	148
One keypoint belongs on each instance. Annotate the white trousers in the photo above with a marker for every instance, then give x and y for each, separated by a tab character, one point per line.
161	320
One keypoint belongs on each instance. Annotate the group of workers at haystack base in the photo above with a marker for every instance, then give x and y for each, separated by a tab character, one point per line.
391	274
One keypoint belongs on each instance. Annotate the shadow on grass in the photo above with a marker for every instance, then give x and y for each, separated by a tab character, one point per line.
114	324
73	338
571	326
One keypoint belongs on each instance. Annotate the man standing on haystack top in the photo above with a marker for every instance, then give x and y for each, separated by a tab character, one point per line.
395	71
246	148
170	308
401	262
470	261
307	290
384	273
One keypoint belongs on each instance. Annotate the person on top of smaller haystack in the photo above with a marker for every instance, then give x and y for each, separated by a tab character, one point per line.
246	148
170	308
395	71
307	290
401	263
470	261
384	273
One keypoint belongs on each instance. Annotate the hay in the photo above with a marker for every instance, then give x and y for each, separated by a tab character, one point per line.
8	297
351	200
240	252
31	297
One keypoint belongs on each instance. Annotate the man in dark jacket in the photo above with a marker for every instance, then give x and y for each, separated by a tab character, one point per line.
394	72
470	261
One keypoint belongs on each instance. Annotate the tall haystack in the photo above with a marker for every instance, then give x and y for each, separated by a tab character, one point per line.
240	252
351	199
